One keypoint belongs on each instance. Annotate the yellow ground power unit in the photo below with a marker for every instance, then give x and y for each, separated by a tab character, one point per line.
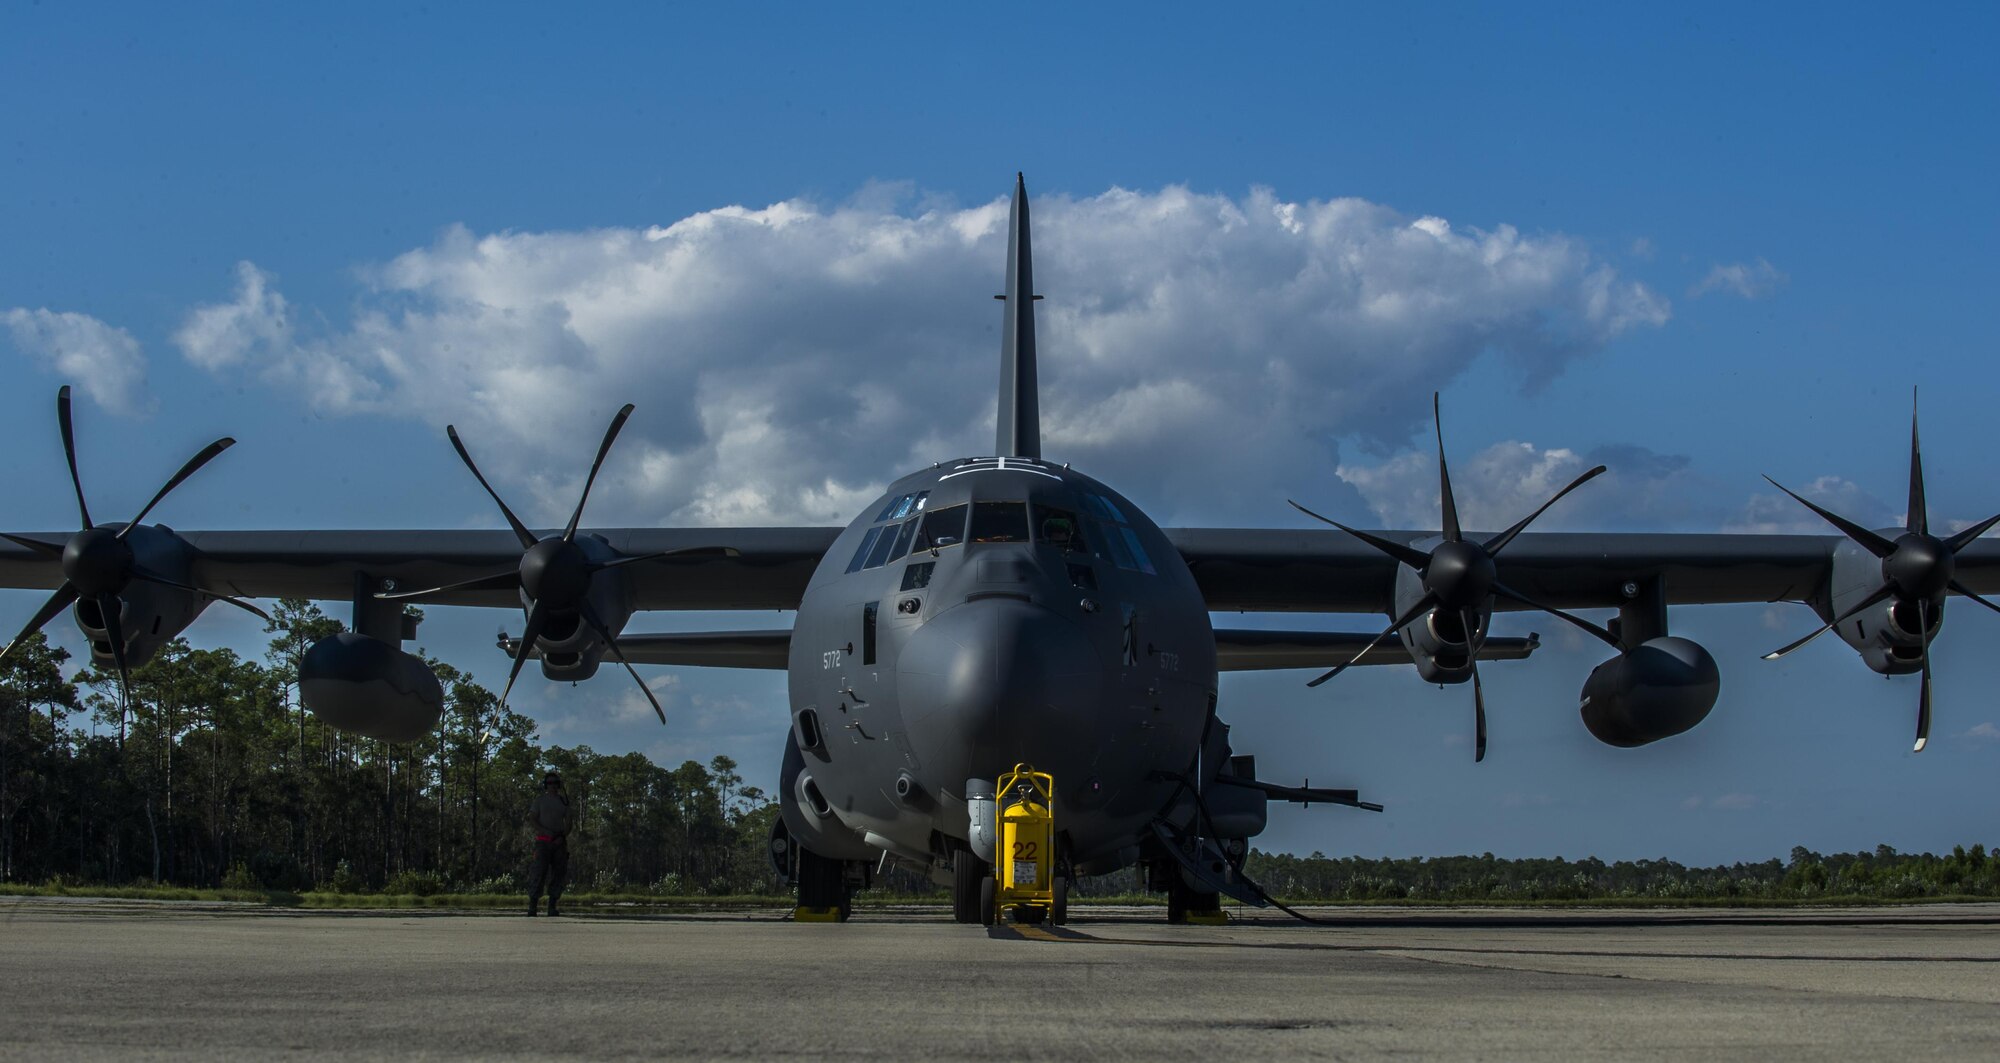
1027	886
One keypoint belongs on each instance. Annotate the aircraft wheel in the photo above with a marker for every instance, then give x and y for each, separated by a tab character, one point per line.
1184	900
967	871
1059	911
823	884
986	888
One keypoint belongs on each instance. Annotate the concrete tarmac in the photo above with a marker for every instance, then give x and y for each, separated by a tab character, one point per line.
88	980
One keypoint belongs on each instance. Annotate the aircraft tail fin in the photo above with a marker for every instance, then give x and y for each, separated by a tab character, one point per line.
1019	431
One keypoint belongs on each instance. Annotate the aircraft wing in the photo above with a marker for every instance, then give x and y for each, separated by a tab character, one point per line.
763	568
1268	570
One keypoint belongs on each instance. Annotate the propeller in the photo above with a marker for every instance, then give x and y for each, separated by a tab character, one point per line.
1459	577
1917	567
555	572
98	563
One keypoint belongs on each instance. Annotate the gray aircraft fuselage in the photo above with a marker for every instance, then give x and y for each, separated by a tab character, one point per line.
983	613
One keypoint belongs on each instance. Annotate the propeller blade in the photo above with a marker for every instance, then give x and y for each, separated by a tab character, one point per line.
69	451
718	551
1967	592
114	628
49	550
496	581
193	465
1924	691
1869	541
57	602
1880	595
521	531
1424	604
1603	635
590	617
1917	519
1964	538
1408	555
610	434
1478	708
1500	541
1445	499
154	577
529	634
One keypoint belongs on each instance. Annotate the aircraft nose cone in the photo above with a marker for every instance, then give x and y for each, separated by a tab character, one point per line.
993	683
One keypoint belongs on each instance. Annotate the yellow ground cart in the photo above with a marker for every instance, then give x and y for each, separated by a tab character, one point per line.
1026	885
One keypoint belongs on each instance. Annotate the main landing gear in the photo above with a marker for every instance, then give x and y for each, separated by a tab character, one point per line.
825	893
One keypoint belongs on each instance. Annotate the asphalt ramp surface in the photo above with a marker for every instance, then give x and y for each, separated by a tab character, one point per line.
184	981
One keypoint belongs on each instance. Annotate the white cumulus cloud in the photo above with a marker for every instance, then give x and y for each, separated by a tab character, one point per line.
787	360
104	362
1776	514
1748	280
1507	481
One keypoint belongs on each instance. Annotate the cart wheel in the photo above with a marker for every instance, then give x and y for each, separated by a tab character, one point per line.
986	901
1059	911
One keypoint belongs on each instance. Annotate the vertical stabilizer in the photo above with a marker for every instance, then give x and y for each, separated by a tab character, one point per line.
1019	433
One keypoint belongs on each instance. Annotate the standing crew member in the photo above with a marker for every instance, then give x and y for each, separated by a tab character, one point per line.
548	817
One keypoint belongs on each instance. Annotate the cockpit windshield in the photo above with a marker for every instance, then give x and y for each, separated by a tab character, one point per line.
1059	528
999	522
942	527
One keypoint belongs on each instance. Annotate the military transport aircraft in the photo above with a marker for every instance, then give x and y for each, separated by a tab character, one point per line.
1005	609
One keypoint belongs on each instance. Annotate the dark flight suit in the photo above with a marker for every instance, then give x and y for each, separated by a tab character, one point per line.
549	818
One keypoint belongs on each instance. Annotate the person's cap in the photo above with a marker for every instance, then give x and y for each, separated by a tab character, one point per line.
552	779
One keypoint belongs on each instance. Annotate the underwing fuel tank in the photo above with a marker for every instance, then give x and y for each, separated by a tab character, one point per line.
1655	690
369	687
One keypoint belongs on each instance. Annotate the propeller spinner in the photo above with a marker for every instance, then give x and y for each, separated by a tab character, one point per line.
1460	578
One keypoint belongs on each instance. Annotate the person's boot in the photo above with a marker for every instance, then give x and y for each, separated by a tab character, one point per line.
535	902
552	907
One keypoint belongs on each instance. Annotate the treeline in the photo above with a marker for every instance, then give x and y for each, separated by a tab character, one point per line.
1884	874
215	776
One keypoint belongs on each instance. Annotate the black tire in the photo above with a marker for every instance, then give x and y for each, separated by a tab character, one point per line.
823	884
986	888
1059	911
1184	900
966	872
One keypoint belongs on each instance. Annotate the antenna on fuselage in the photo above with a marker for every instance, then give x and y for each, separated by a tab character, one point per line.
1019	431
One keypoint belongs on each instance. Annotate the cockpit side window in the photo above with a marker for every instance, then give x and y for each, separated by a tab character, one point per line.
999	522
880	554
1118	539
861	552
904	533
941	527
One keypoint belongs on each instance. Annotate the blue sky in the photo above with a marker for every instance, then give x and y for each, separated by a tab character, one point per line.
1700	244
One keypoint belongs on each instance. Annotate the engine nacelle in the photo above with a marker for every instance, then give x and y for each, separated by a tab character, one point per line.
1655	690
569	649
371	688
1438	642
1888	635
150	614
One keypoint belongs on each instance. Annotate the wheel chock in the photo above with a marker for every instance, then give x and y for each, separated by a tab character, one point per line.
803	914
1217	918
